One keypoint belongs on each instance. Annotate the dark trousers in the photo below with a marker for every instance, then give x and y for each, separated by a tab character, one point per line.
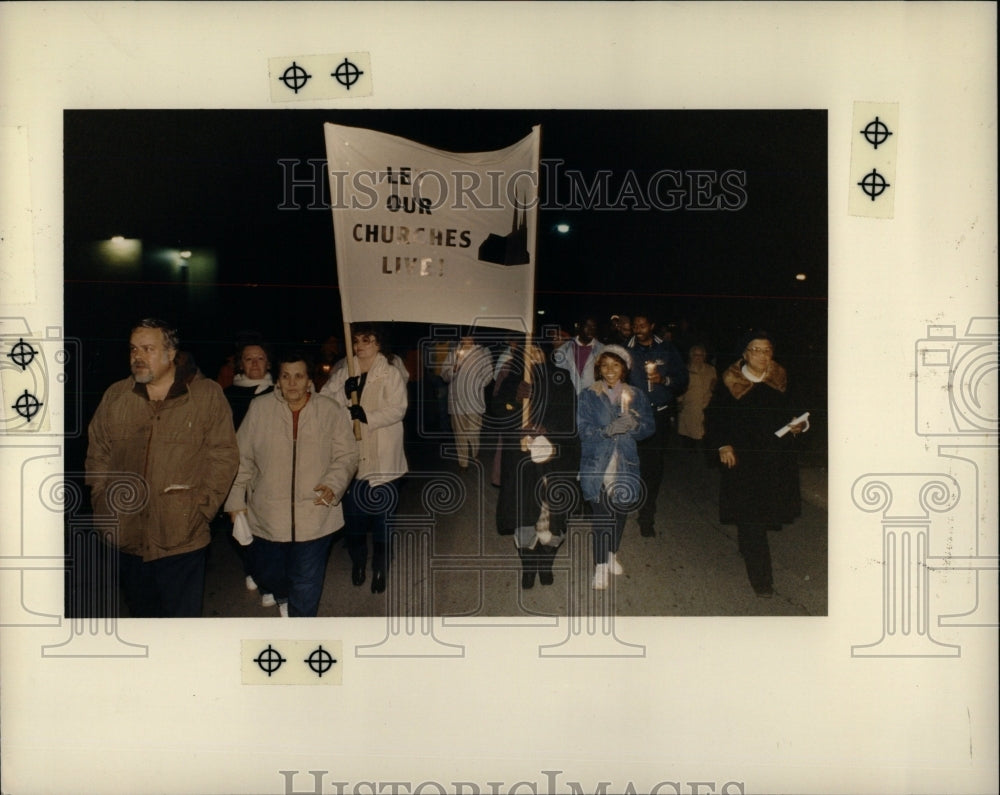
651	451
248	554
609	524
756	552
294	571
170	587
367	509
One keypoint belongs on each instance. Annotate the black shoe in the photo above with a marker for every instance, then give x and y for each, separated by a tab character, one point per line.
358	574
378	581
764	591
529	567
547	557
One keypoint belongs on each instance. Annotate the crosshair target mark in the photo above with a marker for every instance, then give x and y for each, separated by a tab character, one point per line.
295	77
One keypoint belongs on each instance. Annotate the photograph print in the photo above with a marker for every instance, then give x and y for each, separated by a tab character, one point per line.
458	363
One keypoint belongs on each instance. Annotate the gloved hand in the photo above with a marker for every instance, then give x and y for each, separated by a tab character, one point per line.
352	384
358	413
623	424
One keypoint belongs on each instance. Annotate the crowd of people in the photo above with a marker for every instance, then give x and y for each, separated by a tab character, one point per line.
291	460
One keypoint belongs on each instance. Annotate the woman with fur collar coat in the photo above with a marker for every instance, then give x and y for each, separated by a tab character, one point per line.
759	486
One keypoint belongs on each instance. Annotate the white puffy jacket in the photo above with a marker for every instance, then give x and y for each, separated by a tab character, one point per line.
384	399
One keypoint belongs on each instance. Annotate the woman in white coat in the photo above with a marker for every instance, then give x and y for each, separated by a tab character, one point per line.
379	411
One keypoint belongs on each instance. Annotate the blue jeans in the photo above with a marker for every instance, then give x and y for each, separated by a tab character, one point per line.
293	571
170	587
609	524
367	509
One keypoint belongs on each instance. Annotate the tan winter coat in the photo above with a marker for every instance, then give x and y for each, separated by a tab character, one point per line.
701	384
138	448
277	475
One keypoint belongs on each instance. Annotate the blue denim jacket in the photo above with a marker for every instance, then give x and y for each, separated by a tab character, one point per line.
593	414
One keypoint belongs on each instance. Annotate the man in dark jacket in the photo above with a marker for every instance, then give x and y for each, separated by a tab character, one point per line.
659	370
168	429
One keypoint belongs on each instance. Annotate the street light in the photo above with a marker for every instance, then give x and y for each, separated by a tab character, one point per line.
119	252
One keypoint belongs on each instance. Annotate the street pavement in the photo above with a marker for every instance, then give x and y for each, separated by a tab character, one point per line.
450	561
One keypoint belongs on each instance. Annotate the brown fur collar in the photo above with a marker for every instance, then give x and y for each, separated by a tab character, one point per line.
738	384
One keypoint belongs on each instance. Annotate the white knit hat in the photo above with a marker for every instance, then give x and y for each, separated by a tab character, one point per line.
620	352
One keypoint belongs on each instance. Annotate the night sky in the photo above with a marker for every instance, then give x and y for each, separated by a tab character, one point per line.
212	179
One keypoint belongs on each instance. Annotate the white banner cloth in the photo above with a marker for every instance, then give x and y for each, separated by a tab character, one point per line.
425	235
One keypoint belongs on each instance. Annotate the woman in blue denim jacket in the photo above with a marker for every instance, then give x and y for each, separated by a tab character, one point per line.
611	417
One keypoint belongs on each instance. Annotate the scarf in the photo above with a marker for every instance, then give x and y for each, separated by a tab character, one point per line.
241	380
739	384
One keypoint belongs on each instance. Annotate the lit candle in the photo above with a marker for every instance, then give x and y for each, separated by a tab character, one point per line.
650	371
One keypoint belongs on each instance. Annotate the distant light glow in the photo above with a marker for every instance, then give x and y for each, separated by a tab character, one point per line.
800	277
541	312
185	255
119	251
562	229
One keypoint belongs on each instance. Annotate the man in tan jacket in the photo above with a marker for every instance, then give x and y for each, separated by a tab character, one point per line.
171	427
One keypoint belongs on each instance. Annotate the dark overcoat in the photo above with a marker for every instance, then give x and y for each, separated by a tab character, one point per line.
764	485
553	412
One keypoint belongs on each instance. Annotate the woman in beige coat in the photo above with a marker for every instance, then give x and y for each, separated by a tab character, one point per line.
297	458
701	383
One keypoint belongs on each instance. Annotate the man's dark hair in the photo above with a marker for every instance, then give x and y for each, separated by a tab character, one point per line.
170	336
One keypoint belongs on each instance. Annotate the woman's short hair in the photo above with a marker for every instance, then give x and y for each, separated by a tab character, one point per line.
294	355
755	334
378	331
242	345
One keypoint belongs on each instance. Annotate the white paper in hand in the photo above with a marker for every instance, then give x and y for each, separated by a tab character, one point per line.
541	449
803	418
241	529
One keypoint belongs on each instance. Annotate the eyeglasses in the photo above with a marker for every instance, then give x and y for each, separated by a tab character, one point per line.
768	351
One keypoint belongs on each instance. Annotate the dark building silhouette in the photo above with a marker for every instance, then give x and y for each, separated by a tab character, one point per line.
511	249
